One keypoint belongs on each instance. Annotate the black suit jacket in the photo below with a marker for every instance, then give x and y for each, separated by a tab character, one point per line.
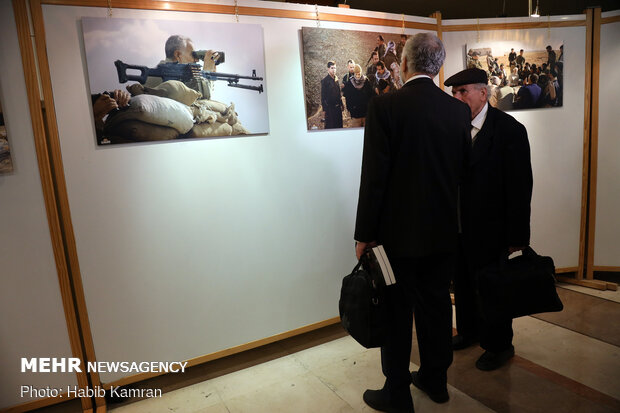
330	93
498	189
416	142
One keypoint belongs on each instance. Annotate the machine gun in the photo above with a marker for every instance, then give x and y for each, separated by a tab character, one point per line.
183	72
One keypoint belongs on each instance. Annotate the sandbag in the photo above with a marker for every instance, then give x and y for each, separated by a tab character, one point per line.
203	115
178	91
203	130
172	89
204	109
238	129
212	105
157	111
136	130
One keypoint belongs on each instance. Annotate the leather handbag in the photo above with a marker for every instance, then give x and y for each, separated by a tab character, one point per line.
362	307
517	287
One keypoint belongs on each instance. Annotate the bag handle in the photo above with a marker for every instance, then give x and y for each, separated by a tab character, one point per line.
357	266
362	258
527	251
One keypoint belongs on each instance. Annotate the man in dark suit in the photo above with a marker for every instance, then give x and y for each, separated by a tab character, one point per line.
495	212
512	57
331	99
415	150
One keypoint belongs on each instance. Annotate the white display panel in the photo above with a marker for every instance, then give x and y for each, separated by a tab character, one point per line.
33	321
555	134
192	247
607	235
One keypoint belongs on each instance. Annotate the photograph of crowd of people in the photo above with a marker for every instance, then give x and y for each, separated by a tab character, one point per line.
155	80
6	164
343	70
520	78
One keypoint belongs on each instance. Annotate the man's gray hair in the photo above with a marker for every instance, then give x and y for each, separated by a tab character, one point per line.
174	43
425	54
480	86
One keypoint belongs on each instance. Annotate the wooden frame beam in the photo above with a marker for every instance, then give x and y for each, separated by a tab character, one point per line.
60	187
595	284
48	177
242	11
593	164
512	26
611	19
437	16
586	148
230	351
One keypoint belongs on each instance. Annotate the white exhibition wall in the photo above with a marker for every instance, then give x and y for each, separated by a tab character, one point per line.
191	247
607	229
30	303
555	134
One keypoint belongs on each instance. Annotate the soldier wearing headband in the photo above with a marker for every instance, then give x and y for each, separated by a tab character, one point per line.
495	211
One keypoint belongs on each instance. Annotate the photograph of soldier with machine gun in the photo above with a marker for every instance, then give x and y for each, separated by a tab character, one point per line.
185	95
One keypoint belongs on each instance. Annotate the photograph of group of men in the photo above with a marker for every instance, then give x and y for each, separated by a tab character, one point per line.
343	70
519	78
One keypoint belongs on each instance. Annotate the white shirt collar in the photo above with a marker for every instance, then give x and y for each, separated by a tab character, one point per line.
478	121
416	77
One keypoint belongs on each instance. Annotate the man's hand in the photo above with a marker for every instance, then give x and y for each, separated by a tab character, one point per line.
122	98
209	62
361	247
102	106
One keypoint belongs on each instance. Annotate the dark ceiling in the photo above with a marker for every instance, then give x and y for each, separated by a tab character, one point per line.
463	9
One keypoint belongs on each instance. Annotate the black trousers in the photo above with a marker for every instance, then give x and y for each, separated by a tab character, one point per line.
422	288
494	337
333	117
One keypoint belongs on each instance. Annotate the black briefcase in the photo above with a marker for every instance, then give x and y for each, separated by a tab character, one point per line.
517	287
362	307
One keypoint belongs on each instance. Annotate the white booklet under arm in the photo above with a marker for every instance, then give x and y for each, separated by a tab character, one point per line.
384	264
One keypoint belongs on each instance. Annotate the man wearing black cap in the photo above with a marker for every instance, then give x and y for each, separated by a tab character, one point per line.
495	212
416	143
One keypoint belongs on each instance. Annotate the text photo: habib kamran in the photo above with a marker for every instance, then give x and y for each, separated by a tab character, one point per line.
157	80
343	70
518	77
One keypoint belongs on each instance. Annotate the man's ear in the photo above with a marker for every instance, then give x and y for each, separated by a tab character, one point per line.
177	55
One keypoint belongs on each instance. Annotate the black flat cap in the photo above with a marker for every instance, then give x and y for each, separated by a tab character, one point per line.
467	77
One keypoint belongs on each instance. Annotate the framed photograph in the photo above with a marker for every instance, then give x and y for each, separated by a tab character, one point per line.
343	69
6	164
158	80
520	78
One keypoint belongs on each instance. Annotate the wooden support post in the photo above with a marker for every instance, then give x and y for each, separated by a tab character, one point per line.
48	176
596	53
586	148
437	16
